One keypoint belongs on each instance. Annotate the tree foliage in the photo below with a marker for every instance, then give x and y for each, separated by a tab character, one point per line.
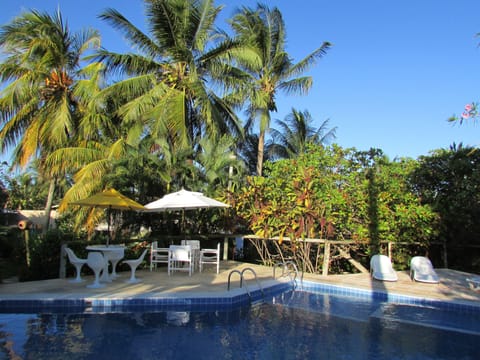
153	120
157	107
295	132
333	193
449	181
39	102
268	68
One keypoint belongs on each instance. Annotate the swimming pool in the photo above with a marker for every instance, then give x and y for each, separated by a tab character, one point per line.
292	325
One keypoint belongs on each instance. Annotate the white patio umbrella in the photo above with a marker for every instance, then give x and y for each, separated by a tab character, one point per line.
183	200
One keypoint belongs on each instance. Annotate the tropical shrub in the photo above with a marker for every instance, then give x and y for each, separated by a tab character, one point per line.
336	194
43	258
449	182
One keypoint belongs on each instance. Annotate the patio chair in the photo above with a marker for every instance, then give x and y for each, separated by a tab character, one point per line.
96	262
381	268
195	245
77	262
421	270
114	257
133	267
210	256
157	255
474	282
180	259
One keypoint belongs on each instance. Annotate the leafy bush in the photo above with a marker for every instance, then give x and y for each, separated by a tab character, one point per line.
337	194
44	251
11	251
449	182
10	239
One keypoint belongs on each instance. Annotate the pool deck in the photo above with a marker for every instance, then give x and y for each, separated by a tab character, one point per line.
453	286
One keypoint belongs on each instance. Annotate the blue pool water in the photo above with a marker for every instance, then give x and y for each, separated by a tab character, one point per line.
294	325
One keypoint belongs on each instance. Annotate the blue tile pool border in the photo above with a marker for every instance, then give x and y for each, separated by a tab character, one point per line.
389	297
219	303
160	303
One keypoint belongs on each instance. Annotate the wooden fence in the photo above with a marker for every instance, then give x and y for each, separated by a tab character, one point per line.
328	244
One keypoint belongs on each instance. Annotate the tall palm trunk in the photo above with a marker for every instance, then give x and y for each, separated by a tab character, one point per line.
264	126
261	145
48	205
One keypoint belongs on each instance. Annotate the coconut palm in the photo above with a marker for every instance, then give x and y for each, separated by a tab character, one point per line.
247	151
220	167
38	106
294	134
165	86
158	104
270	70
89	161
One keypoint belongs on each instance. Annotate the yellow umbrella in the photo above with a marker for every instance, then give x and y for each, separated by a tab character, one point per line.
109	199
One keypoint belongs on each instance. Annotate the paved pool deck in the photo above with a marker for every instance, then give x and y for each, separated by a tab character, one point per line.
453	286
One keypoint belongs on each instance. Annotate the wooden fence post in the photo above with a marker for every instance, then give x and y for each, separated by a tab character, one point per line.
225	248
326	258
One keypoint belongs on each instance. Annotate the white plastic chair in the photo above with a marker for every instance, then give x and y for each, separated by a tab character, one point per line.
381	268
157	255
421	270
114	257
133	267
474	282
210	256
195	245
180	259
96	262
77	262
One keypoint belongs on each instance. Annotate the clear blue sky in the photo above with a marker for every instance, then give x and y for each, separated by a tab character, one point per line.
398	68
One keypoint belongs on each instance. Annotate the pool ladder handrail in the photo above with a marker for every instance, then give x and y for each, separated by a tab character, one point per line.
285	266
241	273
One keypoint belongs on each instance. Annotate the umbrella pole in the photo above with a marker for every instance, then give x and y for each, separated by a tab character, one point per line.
182	230
109	209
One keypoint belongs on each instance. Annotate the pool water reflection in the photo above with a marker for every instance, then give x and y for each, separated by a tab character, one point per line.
296	325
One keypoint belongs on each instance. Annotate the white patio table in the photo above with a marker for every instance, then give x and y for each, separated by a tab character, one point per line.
106	250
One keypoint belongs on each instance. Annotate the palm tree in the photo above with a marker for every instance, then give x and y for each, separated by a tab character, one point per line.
268	67
159	105
247	151
294	134
166	93
38	106
220	166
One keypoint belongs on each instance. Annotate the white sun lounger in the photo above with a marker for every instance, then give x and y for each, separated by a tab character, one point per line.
474	282
421	270
381	268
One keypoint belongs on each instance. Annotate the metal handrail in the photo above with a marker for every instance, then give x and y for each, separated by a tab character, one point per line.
241	280
230	275
285	266
256	279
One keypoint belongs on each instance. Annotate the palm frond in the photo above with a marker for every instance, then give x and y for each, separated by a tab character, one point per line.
310	60
300	85
71	159
132	34
125	64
